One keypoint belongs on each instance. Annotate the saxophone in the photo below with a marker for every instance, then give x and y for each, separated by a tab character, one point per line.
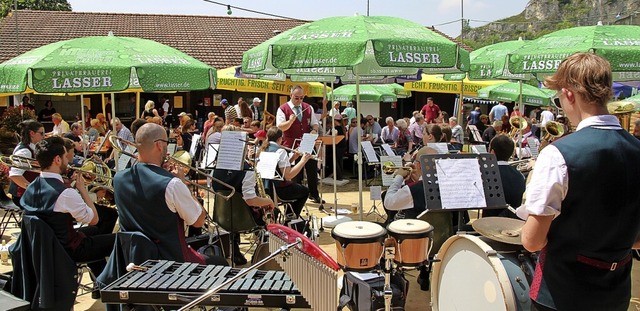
267	216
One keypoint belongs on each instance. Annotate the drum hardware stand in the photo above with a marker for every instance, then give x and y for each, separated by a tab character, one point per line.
389	255
282	250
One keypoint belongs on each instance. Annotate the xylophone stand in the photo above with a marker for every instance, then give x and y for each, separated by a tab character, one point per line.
282	250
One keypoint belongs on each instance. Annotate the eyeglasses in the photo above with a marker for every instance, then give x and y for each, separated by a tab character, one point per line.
162	140
41	133
298	97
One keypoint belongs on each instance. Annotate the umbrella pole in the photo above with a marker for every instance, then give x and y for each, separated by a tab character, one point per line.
113	124
355	70
519	136
264	111
137	105
333	137
84	125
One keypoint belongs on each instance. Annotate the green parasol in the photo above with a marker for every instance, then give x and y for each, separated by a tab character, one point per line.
353	47
616	43
488	63
370	93
510	92
104	64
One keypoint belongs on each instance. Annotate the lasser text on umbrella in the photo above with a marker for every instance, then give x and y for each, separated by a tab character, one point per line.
75	83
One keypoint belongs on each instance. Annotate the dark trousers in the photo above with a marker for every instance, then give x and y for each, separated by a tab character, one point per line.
99	240
296	192
311	167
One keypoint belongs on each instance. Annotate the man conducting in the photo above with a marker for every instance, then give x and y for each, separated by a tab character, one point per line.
294	119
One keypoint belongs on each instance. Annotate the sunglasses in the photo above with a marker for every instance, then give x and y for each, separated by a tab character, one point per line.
556	98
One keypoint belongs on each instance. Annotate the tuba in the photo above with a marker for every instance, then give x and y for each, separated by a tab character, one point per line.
518	123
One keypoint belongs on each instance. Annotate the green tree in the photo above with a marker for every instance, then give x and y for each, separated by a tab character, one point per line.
41	5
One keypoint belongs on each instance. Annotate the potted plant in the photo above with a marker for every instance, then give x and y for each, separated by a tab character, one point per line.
10	120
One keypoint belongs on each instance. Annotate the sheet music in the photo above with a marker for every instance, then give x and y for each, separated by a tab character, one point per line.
387	149
478	149
475	132
375	193
267	165
231	150
171	148
123	160
308	143
397	161
533	146
194	145
210	156
440	147
369	152
460	183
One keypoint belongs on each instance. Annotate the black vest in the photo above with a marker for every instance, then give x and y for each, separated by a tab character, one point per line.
140	197
600	219
39	200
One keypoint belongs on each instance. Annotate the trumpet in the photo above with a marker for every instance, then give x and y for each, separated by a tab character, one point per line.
182	159
390	168
518	123
554	130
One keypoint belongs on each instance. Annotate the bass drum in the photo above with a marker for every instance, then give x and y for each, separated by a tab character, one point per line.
475	273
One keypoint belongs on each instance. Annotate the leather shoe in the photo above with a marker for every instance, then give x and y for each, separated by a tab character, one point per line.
316	199
239	259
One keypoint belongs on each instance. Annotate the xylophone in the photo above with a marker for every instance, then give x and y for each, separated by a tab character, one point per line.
174	283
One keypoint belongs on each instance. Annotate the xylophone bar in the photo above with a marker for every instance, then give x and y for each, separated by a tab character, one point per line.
316	279
171	283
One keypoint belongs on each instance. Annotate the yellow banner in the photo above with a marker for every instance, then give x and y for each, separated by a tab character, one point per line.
228	81
436	84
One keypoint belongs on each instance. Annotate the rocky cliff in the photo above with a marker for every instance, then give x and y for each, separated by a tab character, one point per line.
543	16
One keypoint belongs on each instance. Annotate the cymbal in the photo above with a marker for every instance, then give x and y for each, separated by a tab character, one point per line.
501	229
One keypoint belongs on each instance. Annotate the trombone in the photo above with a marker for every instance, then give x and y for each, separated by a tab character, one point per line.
389	168
23	163
180	158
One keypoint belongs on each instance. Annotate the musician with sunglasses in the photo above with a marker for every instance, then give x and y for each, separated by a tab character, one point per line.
157	202
586	179
295	118
31	132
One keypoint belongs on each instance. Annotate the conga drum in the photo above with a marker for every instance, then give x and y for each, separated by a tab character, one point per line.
359	244
413	239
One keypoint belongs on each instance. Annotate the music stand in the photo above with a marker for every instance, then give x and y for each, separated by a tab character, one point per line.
372	158
210	156
490	179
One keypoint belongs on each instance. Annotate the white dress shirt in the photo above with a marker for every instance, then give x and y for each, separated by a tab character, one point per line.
179	200
398	195
280	117
61	129
70	201
24	152
550	181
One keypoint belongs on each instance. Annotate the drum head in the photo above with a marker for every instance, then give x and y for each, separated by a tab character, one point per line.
358	232
469	279
411	228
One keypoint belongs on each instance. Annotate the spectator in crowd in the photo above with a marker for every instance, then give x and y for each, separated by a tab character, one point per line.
390	132
47	112
498	111
60	126
430	111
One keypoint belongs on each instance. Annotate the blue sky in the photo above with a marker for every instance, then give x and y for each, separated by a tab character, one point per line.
444	14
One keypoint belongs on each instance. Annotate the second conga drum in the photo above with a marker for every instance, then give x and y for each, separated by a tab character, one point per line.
413	240
359	244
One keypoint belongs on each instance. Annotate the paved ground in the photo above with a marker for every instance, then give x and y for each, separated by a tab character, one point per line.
347	194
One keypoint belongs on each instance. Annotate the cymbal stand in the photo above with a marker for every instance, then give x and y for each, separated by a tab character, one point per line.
282	250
